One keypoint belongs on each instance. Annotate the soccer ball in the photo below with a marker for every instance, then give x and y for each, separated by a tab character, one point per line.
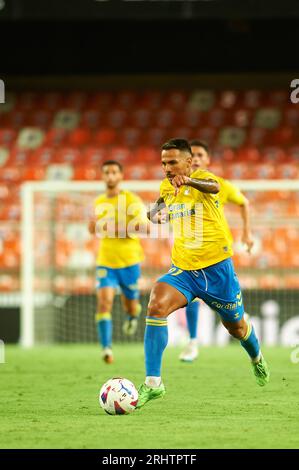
118	396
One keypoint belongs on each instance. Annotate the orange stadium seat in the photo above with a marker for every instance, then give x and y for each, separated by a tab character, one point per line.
252	99
228	99
76	100
102	100
31	173
129	136
141	118
274	155
290	117
52	101
151	99
94	156
120	153
92	118
126	100
191	118
175	100
79	137
10	174
42	156
218	117
116	118
154	136
165	118
7	135
256	136
242	117
134	172
287	171
68	155
105	136
145	154
55	137
86	173
208	134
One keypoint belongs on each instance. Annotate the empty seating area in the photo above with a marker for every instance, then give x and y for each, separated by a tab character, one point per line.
67	136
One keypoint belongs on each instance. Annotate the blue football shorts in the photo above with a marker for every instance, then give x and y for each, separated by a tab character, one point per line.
216	285
124	278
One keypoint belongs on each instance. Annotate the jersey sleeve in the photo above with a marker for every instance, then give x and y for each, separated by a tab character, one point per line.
204	175
232	193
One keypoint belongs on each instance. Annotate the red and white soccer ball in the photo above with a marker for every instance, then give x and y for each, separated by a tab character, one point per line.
118	396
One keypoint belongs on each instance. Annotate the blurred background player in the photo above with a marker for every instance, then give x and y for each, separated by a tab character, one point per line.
119	255
201	267
201	159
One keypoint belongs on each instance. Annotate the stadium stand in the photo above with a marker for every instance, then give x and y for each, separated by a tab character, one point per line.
66	136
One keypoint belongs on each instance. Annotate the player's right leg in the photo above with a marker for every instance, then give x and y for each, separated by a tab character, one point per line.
106	284
165	298
128	279
190	353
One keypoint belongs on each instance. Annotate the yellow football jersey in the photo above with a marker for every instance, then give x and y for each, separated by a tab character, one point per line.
119	252
199	225
229	193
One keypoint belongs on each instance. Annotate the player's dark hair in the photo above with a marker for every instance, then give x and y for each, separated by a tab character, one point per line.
112	162
200	143
178	144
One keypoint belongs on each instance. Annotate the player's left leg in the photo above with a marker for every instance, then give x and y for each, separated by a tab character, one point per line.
190	352
245	333
106	285
128	280
133	308
223	294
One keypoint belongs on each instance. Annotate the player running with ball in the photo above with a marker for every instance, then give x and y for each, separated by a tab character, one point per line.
119	256
201	266
228	194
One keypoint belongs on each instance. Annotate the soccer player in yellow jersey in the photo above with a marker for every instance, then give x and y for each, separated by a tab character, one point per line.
119	255
228	194
201	266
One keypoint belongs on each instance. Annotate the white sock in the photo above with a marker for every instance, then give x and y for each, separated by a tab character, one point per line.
153	382
257	358
193	341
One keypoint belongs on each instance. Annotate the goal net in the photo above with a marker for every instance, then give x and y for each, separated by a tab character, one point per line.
58	263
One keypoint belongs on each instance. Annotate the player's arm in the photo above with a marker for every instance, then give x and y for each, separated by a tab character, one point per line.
203	185
235	196
246	233
92	226
154	212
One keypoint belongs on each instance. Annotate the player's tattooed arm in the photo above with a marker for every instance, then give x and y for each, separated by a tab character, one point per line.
154	212
203	185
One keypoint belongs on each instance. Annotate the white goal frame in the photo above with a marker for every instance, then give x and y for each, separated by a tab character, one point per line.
29	189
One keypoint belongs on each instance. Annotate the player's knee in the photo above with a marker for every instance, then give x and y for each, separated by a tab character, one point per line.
237	331
157	308
105	306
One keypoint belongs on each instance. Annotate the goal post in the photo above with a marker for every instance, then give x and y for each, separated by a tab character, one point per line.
28	192
54	287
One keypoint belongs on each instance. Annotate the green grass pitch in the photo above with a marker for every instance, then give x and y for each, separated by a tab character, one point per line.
49	399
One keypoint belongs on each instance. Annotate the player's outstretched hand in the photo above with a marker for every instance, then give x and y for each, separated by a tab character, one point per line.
178	181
